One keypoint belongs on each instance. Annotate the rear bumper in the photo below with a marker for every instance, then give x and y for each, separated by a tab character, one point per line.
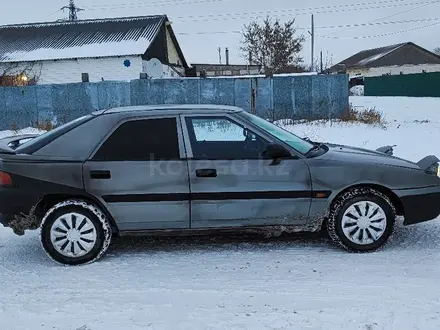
419	205
14	203
4	220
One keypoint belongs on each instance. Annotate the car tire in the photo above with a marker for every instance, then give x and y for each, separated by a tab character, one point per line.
361	220
75	232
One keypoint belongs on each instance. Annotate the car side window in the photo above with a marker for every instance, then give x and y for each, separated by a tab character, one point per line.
142	140
222	138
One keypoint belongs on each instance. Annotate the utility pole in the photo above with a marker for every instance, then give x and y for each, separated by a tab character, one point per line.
321	62
219	55
73	10
312	34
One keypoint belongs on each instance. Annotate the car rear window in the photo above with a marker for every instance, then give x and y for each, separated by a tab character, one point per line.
45	138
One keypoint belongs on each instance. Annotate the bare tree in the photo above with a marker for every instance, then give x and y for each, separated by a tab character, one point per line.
19	74
437	50
273	45
327	62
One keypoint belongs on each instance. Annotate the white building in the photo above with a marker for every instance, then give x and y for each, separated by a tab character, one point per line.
89	50
404	58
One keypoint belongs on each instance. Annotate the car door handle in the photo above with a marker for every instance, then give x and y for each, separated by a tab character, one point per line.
100	174
206	173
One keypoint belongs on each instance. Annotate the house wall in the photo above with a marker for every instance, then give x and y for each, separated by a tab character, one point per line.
167	71
284	97
231	72
173	55
69	71
357	72
393	70
405	69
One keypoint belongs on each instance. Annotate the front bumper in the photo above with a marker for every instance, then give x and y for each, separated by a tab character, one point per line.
420	204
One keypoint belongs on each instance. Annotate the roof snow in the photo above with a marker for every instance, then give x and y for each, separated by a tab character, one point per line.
367	57
78	39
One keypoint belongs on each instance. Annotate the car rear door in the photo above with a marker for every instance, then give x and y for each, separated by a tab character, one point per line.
231	185
140	173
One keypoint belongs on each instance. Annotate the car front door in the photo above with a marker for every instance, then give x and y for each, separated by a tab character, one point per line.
140	173
232	184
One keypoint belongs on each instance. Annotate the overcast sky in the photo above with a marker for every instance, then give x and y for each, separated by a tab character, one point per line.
202	26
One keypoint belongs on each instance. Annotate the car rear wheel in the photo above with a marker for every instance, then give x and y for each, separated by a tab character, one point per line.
361	220
75	232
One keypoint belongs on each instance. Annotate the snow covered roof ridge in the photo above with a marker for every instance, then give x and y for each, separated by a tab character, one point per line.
119	36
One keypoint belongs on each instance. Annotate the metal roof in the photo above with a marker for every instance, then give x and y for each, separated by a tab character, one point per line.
377	57
79	39
366	57
173	107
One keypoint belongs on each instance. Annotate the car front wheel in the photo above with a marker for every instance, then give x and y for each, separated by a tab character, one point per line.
361	220
75	232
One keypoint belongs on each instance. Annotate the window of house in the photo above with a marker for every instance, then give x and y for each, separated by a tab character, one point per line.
142	140
221	138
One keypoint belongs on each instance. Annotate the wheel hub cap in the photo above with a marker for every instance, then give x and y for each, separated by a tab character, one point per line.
73	235
364	222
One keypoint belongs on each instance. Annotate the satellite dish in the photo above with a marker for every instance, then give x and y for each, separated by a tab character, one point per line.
154	68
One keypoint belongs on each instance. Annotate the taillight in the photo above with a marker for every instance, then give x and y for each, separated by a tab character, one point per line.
5	179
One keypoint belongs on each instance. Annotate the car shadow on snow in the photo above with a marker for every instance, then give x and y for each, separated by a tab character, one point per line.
213	243
421	236
15	251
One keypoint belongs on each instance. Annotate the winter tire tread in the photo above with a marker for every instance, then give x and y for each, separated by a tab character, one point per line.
335	215
80	205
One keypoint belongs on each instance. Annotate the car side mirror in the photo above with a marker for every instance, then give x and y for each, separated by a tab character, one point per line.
274	150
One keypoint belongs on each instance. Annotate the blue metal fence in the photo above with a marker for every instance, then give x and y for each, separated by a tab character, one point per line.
300	96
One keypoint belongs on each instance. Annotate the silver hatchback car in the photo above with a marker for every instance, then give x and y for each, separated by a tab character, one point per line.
195	169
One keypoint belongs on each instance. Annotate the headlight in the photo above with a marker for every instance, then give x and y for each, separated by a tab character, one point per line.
434	169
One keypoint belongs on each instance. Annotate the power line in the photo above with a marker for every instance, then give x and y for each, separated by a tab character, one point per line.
55	12
185	2
380	23
384	34
433	19
389	16
150	4
285	12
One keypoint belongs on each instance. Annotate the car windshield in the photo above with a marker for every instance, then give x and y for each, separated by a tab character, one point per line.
291	139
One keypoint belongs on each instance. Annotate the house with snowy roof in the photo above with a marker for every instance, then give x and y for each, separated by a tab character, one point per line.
90	51
403	58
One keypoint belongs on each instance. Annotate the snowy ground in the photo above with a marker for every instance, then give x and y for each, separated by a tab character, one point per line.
243	283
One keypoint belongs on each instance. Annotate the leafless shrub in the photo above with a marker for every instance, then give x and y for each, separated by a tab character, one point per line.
369	116
44	125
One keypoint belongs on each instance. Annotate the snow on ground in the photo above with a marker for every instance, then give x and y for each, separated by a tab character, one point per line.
357	90
412	124
29	130
241	282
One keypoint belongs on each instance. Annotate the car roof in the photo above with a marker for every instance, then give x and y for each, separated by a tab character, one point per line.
194	108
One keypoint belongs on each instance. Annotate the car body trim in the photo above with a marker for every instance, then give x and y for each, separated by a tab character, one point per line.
133	198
